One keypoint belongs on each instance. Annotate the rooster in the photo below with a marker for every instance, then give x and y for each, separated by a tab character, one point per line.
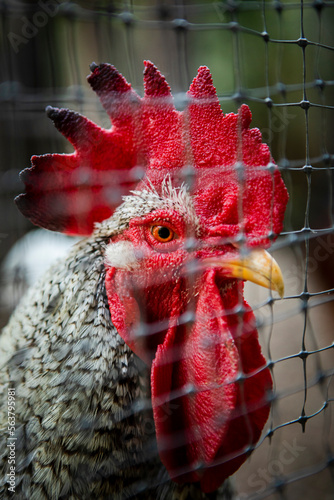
133	368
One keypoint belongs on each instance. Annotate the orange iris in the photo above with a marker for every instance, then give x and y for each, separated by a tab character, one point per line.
162	233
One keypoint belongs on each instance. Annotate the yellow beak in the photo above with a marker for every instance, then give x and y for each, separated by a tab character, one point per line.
258	266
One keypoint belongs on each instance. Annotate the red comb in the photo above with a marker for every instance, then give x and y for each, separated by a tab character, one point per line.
220	143
162	125
71	192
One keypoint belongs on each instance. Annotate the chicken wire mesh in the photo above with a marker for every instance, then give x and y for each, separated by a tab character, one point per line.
276	56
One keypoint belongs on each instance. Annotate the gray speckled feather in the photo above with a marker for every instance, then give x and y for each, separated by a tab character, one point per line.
81	426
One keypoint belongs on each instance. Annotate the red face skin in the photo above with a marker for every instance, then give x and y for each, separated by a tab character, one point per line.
205	419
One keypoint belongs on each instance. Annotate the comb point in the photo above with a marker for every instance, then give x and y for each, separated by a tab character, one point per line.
93	66
51	112
149	64
245	116
106	78
154	82
202	85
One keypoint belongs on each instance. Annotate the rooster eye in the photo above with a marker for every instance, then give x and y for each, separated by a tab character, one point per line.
162	233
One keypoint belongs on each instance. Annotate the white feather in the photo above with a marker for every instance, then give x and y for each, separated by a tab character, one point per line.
120	255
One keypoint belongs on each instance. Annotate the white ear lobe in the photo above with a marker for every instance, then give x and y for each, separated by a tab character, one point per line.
120	255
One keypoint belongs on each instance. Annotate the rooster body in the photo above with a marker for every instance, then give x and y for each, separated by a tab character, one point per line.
135	362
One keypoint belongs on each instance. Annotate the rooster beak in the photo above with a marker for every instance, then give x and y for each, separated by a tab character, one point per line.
258	266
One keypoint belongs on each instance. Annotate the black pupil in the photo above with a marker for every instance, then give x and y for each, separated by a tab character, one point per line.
164	232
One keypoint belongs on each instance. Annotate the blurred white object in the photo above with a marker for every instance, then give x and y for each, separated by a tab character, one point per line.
28	260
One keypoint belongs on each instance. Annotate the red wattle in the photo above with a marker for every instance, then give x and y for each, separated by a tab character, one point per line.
204	419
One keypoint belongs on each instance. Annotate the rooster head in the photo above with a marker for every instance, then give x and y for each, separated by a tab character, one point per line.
202	199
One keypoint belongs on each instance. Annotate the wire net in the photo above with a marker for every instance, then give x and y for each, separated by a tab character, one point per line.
278	57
